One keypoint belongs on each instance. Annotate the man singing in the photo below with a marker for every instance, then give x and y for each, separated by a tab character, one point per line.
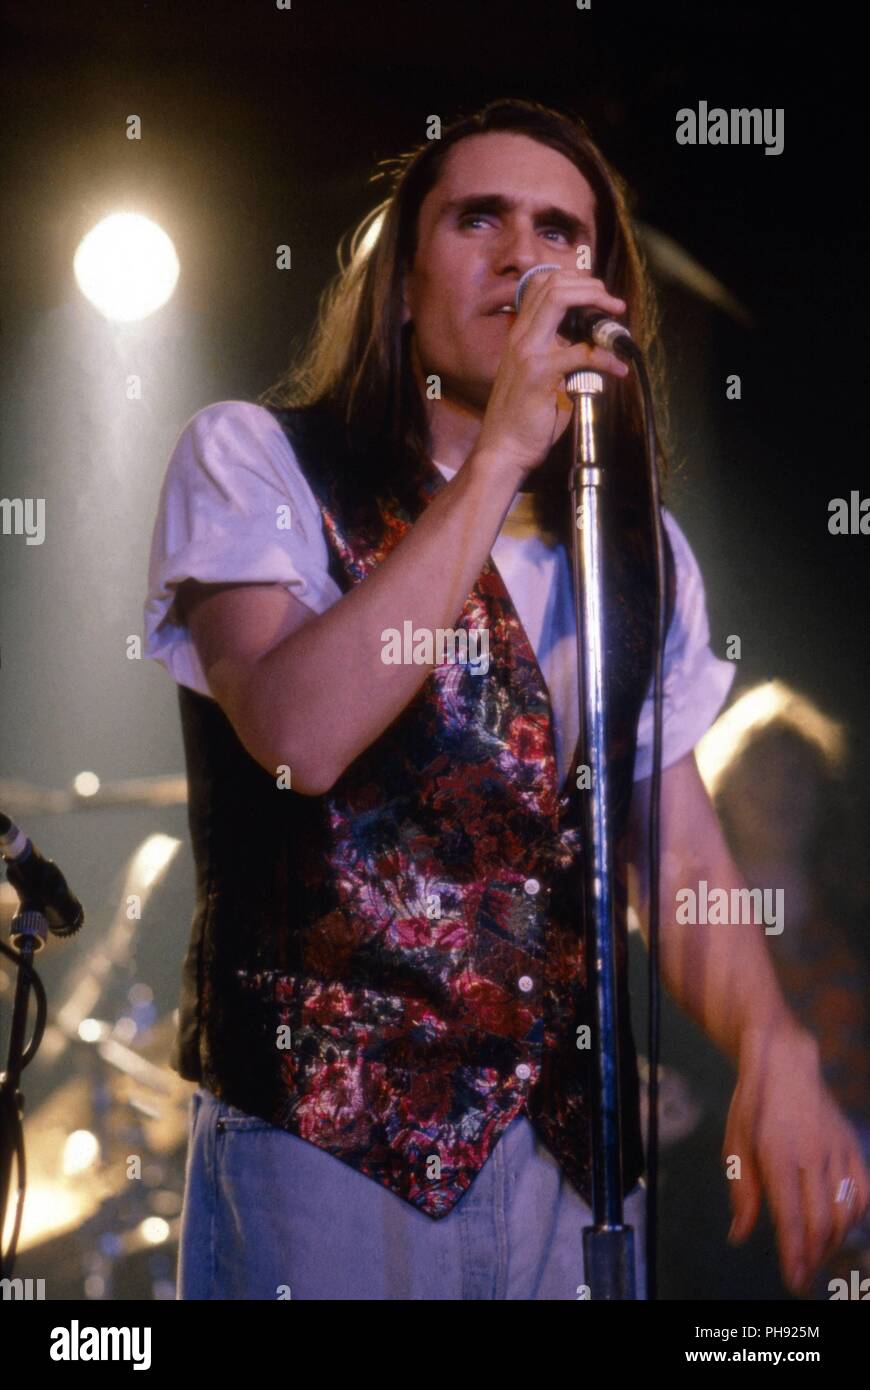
385	993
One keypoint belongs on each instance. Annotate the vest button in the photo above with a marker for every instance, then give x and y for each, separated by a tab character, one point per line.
523	1071
526	983
531	886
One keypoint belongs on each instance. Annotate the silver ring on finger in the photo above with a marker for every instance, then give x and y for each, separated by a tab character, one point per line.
846	1192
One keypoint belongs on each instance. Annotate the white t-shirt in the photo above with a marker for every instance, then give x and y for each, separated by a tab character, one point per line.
233	466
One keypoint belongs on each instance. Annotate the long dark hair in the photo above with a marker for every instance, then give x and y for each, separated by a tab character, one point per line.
357	362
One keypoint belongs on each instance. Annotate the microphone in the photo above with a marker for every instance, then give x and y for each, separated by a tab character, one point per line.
38	881
584	324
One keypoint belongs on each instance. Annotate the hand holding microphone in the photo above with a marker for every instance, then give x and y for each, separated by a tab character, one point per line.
528	408
582	324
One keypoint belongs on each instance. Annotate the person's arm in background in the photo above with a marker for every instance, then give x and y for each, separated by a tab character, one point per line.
794	1144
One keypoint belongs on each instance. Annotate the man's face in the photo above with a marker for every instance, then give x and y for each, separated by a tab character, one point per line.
503	203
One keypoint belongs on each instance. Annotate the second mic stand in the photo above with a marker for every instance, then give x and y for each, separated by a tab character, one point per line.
29	931
608	1245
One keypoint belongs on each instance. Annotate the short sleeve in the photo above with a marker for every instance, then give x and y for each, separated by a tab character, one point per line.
696	682
234	507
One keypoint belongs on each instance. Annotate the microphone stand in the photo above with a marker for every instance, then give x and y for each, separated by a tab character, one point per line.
28	931
45	905
608	1245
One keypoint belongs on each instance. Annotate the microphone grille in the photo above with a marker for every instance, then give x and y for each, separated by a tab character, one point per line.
523	282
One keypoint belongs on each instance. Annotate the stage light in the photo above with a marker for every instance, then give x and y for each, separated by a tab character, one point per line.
154	1230
81	1151
86	784
152	859
126	266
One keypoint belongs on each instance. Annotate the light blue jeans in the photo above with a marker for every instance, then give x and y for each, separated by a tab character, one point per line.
267	1215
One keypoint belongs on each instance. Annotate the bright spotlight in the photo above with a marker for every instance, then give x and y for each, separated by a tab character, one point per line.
154	1229
81	1151
86	783
126	266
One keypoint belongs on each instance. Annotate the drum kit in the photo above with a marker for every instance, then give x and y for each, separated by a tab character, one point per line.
105	1149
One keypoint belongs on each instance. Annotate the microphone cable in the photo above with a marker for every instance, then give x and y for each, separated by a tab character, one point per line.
630	350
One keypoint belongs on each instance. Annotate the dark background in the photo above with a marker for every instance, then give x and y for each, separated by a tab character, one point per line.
263	127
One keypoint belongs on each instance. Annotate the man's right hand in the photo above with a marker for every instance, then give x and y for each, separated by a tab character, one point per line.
528	408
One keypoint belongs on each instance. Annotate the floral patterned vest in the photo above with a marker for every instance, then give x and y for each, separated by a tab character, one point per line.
395	970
